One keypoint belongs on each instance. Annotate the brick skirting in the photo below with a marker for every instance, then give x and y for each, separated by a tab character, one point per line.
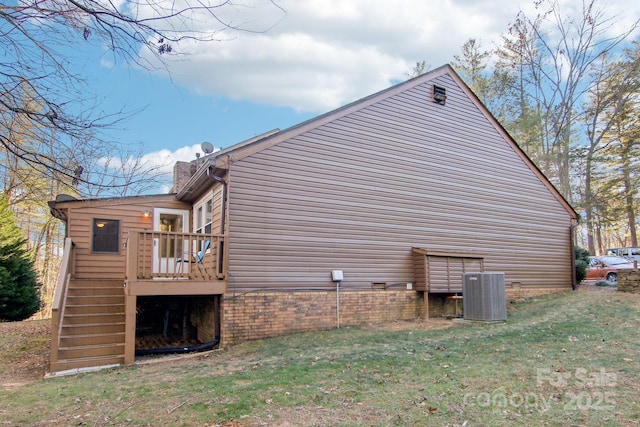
268	314
257	315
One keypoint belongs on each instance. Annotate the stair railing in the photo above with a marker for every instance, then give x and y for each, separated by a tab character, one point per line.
60	296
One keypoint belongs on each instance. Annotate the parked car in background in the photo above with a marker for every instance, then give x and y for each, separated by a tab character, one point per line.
606	267
631	253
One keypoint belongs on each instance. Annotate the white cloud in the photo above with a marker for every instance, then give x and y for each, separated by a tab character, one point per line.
325	53
165	159
162	161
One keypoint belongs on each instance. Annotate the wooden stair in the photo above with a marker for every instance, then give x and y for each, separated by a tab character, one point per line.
93	326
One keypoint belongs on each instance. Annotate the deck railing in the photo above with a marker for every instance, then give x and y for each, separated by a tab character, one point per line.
153	255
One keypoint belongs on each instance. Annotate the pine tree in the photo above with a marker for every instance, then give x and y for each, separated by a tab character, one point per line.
19	288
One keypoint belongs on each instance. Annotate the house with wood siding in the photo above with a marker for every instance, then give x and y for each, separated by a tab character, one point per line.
402	192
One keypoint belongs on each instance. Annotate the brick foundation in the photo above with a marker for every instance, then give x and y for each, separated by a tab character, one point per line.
258	315
268	314
629	281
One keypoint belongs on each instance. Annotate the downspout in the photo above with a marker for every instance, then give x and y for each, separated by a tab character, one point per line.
572	236
216	340
223	212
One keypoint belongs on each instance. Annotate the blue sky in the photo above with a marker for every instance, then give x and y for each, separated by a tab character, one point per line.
320	54
169	115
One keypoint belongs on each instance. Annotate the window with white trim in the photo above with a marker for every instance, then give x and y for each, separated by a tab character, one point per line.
203	213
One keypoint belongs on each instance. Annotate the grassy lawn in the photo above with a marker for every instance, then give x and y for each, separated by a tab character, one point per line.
569	359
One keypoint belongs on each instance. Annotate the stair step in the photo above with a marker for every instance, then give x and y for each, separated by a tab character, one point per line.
84	351
94	291
86	362
91	339
94	308
94	299
98	328
88	283
93	325
92	318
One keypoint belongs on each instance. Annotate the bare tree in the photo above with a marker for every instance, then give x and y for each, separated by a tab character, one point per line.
553	53
123	175
472	64
42	97
620	129
418	69
610	95
54	131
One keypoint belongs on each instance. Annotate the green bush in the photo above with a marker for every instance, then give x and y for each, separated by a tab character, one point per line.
582	263
19	288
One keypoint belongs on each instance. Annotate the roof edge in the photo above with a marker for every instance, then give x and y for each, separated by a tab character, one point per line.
239	151
225	158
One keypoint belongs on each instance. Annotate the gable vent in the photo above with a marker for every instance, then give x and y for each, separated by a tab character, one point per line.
439	94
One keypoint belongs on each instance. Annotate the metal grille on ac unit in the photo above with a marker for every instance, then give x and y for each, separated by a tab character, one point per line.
484	296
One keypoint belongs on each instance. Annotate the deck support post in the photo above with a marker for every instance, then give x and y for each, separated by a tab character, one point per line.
426	304
130	329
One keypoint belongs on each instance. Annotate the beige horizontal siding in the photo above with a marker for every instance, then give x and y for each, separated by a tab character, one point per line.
89	265
359	192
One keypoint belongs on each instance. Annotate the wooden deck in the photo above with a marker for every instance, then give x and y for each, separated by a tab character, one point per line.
165	263
94	320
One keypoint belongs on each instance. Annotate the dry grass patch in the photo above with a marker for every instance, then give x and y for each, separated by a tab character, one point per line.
24	352
567	359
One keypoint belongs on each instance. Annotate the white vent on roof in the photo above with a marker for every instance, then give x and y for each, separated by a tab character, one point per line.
439	94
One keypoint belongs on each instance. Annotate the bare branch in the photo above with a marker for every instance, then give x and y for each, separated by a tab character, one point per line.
43	102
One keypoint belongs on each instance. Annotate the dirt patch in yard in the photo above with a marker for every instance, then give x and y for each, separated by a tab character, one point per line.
24	351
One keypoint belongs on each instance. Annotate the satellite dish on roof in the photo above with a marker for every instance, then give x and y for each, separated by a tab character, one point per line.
207	147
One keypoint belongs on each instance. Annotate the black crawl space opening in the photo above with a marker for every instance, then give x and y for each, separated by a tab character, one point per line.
177	324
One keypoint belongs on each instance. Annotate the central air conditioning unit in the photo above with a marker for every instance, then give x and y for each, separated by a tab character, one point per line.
484	297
